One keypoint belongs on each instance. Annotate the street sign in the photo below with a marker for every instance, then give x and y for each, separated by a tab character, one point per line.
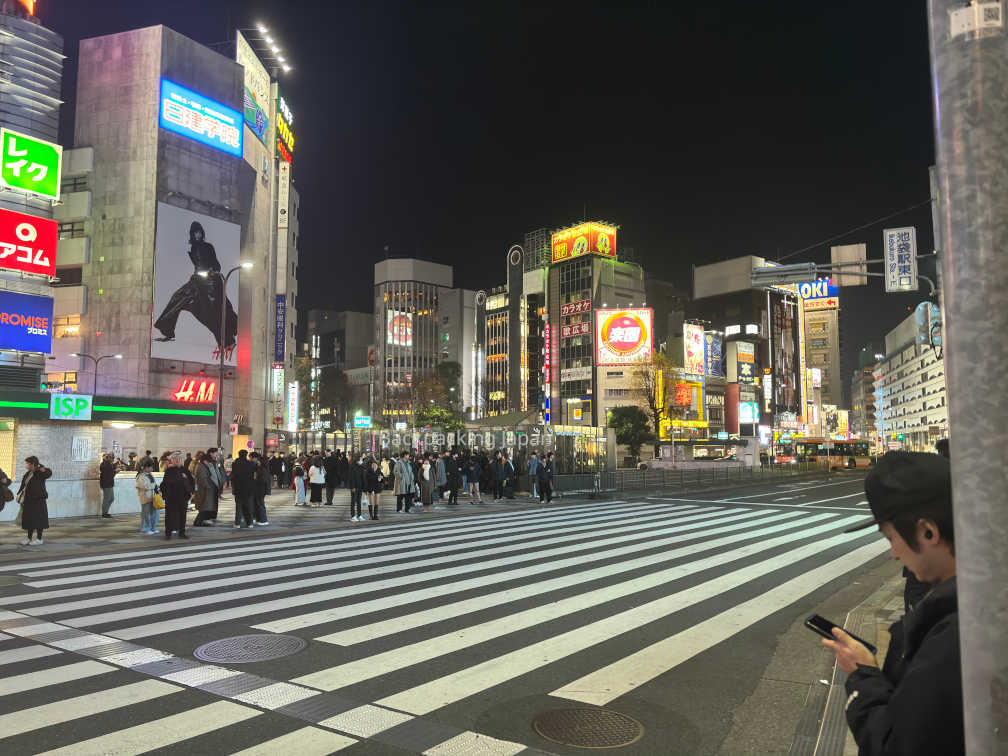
899	249
29	164
362	421
70	407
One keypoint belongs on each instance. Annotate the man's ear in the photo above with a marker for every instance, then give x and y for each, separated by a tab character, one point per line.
927	531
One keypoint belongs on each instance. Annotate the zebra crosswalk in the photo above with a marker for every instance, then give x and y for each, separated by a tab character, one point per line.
414	628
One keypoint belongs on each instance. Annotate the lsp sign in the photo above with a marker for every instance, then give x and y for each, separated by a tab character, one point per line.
70	407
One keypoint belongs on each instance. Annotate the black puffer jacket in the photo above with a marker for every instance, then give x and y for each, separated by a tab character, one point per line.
916	706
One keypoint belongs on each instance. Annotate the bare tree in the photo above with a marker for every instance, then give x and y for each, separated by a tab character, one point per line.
653	387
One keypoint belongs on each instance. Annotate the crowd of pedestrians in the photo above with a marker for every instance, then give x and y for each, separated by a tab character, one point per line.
197	482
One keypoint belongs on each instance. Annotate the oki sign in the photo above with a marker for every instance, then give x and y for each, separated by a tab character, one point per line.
819	295
195	391
27	243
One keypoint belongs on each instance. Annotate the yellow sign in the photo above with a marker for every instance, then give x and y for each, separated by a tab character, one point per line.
689	424
583	239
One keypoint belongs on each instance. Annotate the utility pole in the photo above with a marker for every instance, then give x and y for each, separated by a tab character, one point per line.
969	58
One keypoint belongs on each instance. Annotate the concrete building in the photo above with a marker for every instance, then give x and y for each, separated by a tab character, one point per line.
910	390
162	173
764	346
420	319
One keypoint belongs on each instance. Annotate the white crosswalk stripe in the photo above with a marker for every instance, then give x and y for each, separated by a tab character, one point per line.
490	602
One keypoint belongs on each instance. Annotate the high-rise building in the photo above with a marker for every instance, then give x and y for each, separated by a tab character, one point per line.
420	320
910	389
192	223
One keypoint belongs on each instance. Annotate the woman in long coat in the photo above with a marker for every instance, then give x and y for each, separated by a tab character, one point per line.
32	497
428	476
403	483
176	490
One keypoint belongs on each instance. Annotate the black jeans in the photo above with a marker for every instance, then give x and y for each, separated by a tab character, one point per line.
498	489
259	503
330	488
453	493
243	508
545	492
401	499
355	502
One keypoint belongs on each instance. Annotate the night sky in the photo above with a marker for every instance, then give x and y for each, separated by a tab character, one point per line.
446	131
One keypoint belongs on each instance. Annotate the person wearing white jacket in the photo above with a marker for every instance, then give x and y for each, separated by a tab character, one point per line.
146	486
316	479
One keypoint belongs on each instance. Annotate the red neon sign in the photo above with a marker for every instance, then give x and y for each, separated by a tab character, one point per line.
195	391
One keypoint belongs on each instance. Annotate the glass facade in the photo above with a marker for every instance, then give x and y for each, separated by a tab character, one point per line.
408	340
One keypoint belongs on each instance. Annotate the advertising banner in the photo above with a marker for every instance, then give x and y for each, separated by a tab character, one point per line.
187	306
713	363
819	295
745	361
693	349
27	243
583	239
284	130
197	117
283	194
30	164
574	330
583	373
899	248
573	308
280	334
623	337
292	406
25	322
399	331
257	88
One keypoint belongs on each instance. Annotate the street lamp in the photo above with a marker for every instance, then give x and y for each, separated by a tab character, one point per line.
220	340
96	360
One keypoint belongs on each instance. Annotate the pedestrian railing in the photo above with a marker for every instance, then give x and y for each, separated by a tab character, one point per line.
677	479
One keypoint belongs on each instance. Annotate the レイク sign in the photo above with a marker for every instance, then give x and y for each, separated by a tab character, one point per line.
69	407
192	115
29	164
623	336
27	243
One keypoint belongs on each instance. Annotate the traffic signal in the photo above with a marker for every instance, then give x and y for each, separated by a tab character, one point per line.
927	318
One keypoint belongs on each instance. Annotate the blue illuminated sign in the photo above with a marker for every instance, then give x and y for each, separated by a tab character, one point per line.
25	322
281	328
192	115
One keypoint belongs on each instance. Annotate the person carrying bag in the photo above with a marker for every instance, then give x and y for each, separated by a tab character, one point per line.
146	488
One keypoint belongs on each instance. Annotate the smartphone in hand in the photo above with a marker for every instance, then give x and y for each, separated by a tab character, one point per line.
822	626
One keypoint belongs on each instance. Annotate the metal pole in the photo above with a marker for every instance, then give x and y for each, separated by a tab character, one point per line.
220	350
970	88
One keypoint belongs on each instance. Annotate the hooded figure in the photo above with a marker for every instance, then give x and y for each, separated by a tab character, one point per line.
201	296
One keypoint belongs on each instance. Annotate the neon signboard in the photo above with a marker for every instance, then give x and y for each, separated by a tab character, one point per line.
583	239
197	117
25	322
27	243
195	391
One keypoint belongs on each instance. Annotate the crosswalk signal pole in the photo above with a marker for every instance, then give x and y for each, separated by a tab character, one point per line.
969	58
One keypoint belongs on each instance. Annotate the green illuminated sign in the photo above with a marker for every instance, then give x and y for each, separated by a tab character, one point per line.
30	164
69	407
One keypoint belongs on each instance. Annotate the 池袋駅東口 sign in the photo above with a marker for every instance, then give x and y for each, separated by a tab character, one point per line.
623	337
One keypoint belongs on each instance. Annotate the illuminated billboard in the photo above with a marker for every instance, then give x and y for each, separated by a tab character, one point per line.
693	349
399	330
713	362
819	295
284	130
27	243
257	88
623	337
583	239
745	356
25	322
192	115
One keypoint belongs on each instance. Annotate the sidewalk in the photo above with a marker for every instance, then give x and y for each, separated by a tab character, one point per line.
796	709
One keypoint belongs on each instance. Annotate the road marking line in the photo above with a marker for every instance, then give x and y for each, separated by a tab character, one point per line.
330	552
276	695
785	498
67	710
119	559
474	743
53	676
160	733
366	721
24	654
396	659
435	694
301	621
761	504
799	487
249	609
308	741
617	679
364	633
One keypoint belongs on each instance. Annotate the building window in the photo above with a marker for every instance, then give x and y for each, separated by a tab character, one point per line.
69	276
62	381
68	327
73	184
73	230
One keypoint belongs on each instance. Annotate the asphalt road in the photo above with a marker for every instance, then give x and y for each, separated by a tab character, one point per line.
432	635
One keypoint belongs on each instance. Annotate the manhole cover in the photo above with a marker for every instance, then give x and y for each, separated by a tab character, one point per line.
11	579
588	728
250	648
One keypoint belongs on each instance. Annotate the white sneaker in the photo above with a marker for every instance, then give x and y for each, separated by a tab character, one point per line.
26	541
260	524
35	542
355	519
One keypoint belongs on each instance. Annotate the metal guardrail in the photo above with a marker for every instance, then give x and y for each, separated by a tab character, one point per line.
679	479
